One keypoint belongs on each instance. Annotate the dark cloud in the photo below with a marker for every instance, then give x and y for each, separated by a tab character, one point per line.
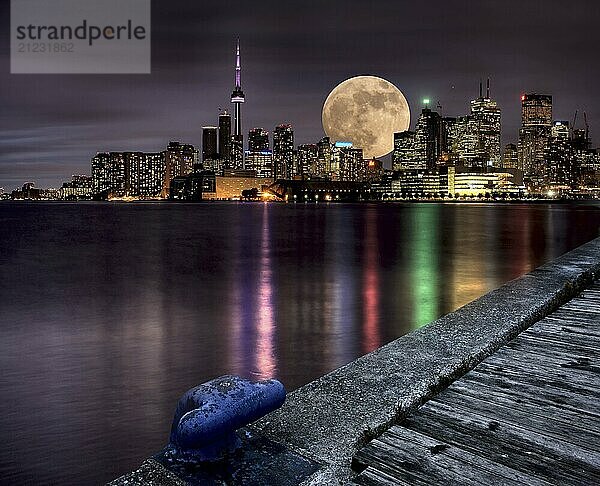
294	53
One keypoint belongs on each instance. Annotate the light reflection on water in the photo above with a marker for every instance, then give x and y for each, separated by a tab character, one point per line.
109	312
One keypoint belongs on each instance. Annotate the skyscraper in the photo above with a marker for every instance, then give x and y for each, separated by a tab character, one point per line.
536	124
209	144
307	159
486	114
466	143
237	98
225	139
561	167
324	153
283	151
428	135
259	156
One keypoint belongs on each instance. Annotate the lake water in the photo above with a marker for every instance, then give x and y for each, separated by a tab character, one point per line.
109	312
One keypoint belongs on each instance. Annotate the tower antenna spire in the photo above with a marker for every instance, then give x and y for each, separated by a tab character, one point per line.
238	66
488	89
480	88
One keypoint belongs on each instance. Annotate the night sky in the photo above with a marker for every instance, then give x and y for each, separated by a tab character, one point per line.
293	54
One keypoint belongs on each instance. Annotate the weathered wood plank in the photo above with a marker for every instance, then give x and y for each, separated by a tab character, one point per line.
484	438
582	361
375	477
550	367
531	404
550	390
563	337
516	417
572	325
509	379
425	462
519	441
484	468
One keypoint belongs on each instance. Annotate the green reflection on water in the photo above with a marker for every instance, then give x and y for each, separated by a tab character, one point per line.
424	245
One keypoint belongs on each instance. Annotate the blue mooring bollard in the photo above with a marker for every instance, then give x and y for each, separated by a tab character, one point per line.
208	415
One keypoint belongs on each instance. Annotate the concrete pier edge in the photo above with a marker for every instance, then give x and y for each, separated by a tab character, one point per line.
330	418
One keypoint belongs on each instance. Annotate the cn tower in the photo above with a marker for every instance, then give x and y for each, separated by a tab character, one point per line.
237	98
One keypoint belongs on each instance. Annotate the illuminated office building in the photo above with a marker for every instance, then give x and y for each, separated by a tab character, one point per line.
486	115
536	125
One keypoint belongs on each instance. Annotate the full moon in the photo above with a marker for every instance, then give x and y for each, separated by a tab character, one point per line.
367	111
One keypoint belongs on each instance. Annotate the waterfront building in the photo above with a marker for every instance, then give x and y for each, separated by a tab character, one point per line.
318	190
110	174
237	98
127	174
194	187
232	184
146	174
283	152
534	135
450	182
422	183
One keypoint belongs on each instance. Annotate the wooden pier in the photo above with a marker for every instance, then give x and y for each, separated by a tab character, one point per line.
528	414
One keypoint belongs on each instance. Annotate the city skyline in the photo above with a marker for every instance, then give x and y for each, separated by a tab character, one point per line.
52	125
